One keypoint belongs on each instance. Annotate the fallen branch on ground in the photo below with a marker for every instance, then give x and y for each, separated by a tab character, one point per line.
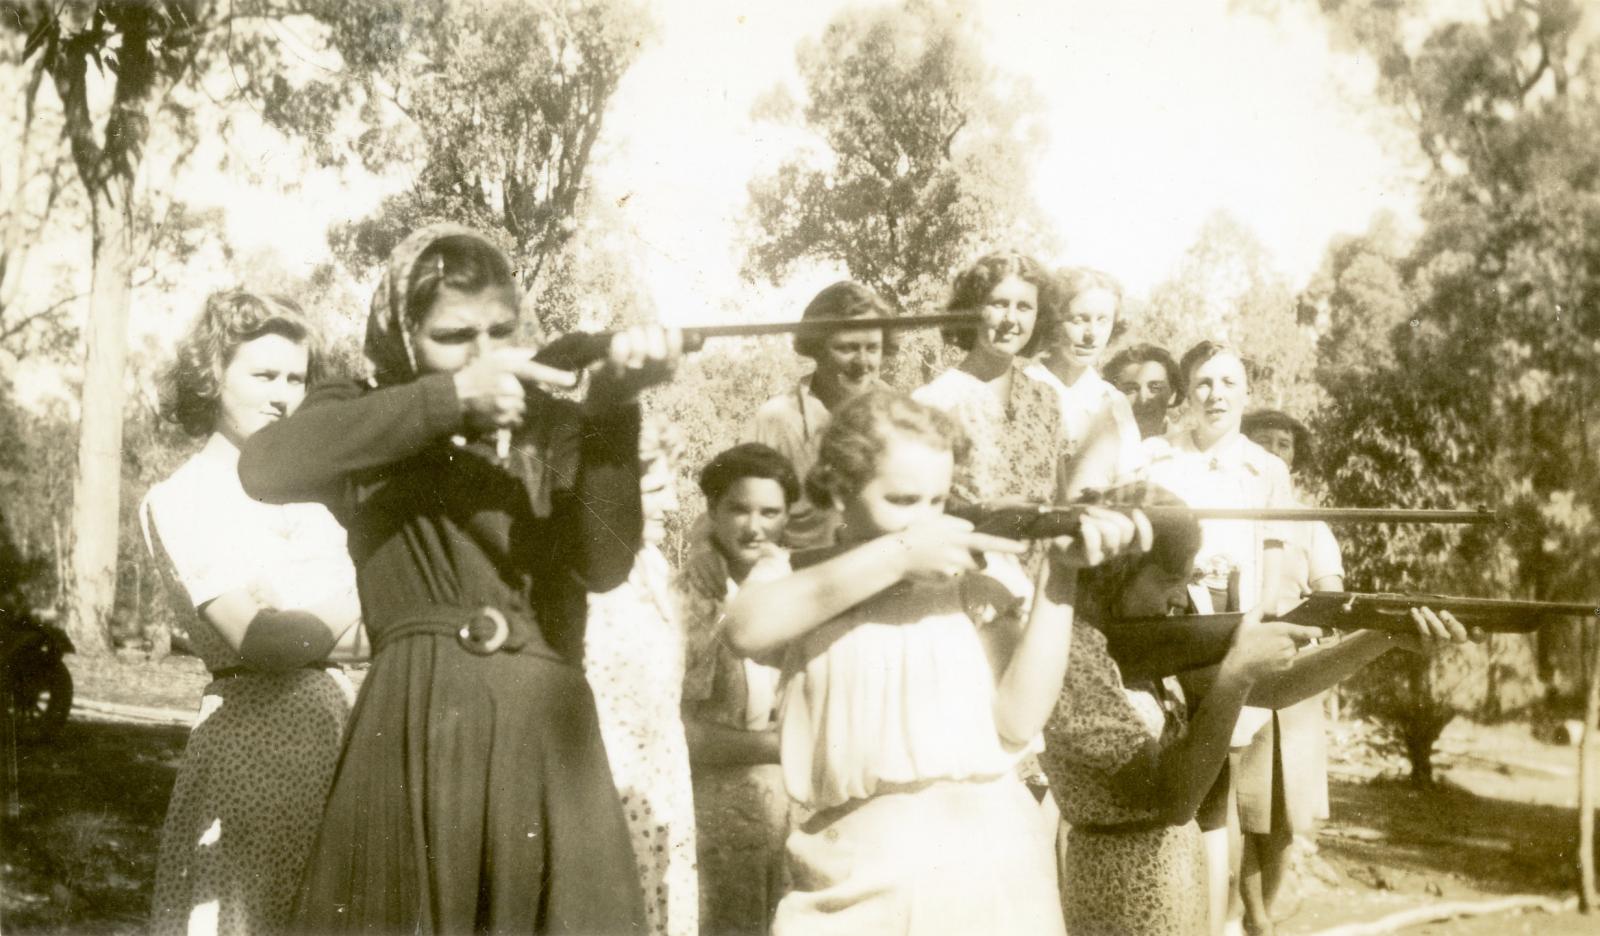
1437	912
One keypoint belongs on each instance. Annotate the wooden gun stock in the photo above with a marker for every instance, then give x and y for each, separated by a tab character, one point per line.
1150	648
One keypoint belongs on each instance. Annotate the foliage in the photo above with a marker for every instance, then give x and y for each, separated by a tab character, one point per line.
1487	379
495	106
1226	288
926	154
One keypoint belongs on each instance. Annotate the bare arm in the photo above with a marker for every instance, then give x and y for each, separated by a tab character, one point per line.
766	616
1028	689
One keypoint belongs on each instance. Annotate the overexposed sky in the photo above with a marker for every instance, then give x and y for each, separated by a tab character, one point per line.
1159	113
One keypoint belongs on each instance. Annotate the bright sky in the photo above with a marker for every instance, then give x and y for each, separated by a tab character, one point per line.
1159	113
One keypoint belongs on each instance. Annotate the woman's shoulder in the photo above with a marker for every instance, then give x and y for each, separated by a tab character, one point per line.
204	477
948	390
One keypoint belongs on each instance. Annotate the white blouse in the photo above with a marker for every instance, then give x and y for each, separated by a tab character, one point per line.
214	538
899	689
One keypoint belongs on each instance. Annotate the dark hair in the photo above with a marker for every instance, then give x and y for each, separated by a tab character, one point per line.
750	460
465	264
1173	548
971	290
1072	282
1203	352
191	386
1257	420
1147	353
859	433
844	299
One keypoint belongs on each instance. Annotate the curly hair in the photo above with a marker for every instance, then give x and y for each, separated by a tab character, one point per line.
859	434
750	460
191	386
842	300
1173	548
1152	354
971	289
465	264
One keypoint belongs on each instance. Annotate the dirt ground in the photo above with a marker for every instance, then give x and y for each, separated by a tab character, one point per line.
82	816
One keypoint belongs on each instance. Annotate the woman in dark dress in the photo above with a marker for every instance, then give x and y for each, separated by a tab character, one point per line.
474	792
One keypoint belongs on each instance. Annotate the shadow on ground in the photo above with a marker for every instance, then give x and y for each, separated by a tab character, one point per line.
1450	836
79	831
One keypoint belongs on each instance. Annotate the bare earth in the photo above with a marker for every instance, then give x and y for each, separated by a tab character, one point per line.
82	818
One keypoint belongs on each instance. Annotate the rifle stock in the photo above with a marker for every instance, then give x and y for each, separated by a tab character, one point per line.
1148	648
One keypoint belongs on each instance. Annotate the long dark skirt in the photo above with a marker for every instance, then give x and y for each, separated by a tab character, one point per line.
473	796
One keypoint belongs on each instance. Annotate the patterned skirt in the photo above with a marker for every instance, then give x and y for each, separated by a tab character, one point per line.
247	802
1135	883
742	818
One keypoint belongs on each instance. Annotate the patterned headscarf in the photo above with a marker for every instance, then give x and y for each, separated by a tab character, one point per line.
388	346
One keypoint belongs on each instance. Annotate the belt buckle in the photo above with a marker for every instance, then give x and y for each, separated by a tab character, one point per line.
471	636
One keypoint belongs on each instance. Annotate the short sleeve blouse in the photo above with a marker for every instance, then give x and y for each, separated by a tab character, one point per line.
1235	473
1101	436
1098	727
211	538
897	690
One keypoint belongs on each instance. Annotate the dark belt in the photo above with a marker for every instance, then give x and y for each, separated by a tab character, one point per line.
229	672
482	631
1120	828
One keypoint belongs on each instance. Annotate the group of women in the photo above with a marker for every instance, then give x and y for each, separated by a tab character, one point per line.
560	732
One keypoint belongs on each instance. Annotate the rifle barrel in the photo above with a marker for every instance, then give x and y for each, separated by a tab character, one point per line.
1333	514
1386	602
580	349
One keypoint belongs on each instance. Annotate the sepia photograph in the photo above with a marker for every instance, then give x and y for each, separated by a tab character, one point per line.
919	467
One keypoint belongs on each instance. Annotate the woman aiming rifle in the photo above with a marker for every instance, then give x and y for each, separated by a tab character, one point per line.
474	793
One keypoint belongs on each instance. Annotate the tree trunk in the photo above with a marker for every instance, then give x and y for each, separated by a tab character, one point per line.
97	489
1588	779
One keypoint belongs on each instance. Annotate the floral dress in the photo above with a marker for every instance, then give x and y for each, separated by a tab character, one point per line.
741	810
256	772
633	657
1125	872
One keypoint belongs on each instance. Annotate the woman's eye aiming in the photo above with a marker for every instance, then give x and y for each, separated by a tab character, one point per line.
904	500
503	331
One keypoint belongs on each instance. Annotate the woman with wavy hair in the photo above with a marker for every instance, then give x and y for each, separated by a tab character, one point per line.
267	590
1014	423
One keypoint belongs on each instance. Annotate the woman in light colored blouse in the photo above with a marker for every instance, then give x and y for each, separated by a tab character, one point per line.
1102	437
267	591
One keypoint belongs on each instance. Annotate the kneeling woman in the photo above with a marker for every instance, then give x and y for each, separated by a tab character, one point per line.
474	794
1129	763
913	690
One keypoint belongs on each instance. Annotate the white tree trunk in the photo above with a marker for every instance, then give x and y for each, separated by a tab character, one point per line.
97	489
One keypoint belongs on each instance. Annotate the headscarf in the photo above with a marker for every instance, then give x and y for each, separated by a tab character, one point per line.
388	346
542	457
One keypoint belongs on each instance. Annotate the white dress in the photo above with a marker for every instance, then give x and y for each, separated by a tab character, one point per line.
921	824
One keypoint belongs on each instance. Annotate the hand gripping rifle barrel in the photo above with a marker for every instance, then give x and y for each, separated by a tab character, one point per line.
576	350
1030	521
1147	648
1043	521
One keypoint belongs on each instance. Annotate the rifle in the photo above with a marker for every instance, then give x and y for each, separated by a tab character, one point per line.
1029	521
1147	648
576	350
